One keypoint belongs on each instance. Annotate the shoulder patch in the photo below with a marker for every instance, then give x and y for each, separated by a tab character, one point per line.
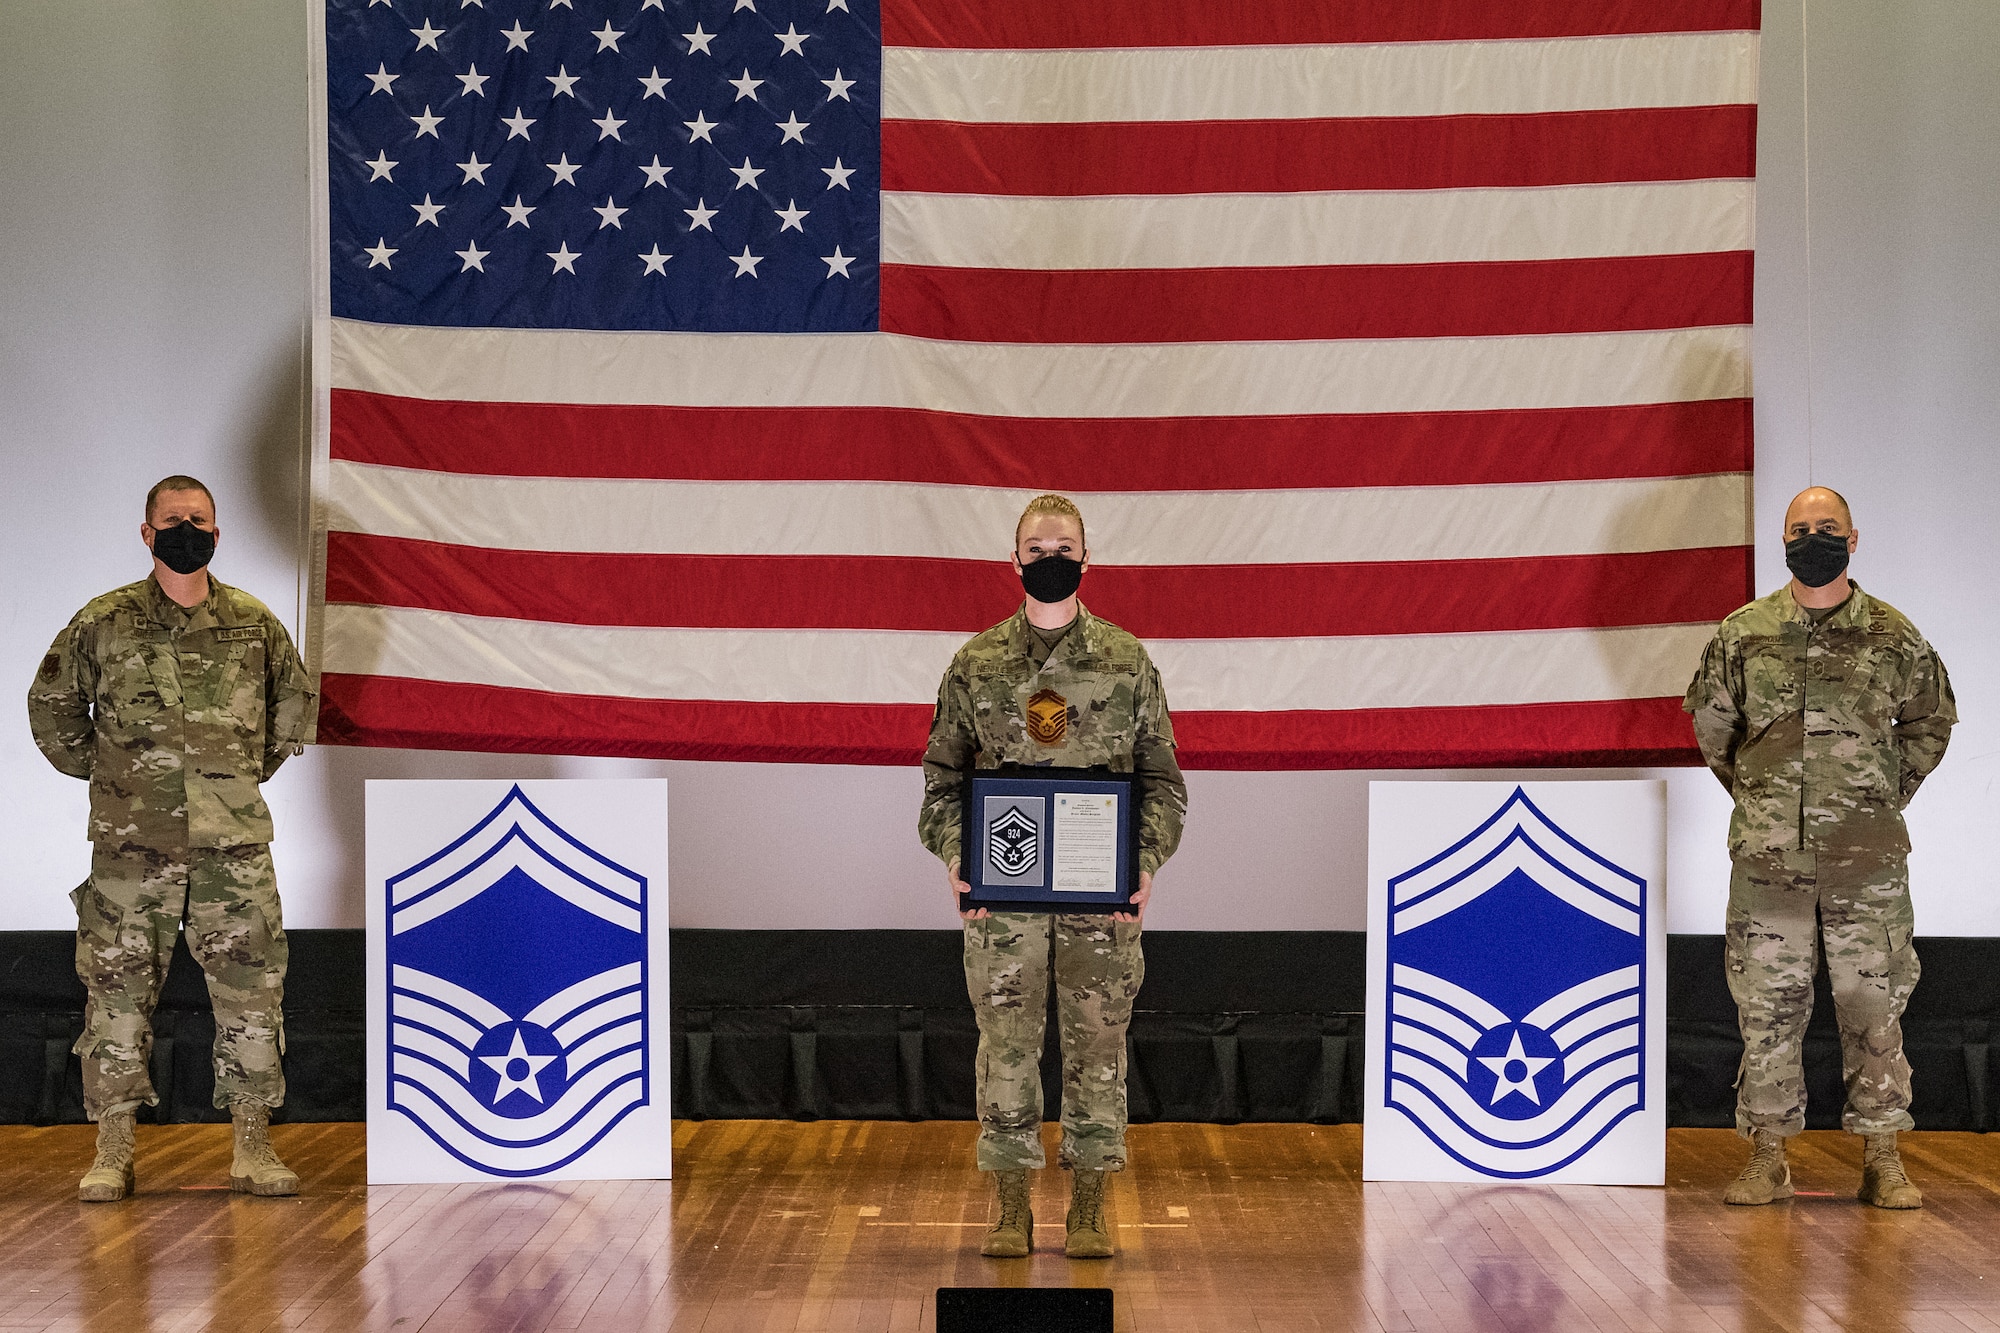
51	666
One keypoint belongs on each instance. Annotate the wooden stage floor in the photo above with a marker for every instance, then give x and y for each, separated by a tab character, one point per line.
852	1226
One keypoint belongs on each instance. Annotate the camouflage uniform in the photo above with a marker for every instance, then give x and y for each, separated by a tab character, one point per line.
1822	731
175	715
1095	700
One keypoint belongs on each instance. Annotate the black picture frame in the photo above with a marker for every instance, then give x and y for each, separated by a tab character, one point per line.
1033	889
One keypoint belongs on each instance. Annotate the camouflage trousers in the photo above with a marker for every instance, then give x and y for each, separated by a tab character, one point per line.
1780	905
127	914
1097	967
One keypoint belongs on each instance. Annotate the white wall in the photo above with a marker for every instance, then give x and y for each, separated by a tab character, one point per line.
152	280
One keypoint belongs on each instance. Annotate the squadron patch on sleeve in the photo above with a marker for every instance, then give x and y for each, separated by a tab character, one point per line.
51	666
1048	717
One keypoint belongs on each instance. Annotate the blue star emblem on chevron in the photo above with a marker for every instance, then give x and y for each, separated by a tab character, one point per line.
516	988
1514	969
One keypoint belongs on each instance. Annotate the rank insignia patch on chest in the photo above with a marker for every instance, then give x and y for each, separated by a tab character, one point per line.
1048	718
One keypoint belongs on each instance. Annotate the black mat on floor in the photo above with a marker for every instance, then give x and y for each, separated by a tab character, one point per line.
1024	1310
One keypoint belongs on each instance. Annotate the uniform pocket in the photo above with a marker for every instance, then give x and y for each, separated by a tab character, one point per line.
94	916
239	883
262	898
133	710
1772	690
82	899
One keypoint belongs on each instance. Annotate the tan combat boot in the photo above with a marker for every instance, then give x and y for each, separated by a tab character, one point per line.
111	1176
255	1168
1882	1180
1767	1178
1088	1237
1012	1234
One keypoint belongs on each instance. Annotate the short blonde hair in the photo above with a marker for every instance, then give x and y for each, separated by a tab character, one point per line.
1049	504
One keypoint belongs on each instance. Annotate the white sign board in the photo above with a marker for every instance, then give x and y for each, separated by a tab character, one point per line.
517	981
1516	982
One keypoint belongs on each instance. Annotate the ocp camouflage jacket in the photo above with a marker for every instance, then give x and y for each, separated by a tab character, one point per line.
174	715
1097	700
1822	733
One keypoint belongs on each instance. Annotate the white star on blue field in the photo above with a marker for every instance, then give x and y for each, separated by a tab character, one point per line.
709	165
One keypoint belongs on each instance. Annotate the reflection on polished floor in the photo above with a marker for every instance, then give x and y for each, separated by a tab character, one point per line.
852	1226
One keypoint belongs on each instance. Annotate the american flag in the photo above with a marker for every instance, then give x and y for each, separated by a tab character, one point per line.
688	362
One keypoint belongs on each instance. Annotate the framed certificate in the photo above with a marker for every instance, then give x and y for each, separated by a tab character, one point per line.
1050	840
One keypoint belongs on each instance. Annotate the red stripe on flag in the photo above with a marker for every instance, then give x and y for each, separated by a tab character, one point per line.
1346	301
1099	454
1154	602
1592	734
430	715
416	714
1278	156
1061	24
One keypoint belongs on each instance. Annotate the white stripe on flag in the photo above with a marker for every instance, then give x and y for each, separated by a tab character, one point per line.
1344	227
1296	82
1042	380
883	518
899	666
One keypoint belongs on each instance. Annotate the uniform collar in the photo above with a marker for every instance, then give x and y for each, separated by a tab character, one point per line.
1850	614
168	612
1082	630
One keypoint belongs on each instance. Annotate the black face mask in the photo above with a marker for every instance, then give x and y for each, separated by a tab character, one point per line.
183	548
1816	559
1053	578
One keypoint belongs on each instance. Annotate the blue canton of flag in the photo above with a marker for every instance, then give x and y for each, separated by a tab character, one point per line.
1517	983
705	165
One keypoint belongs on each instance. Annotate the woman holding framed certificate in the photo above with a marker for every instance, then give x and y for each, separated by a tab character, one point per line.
1052	688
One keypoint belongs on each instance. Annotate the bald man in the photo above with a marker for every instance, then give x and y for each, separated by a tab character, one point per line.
1822	710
